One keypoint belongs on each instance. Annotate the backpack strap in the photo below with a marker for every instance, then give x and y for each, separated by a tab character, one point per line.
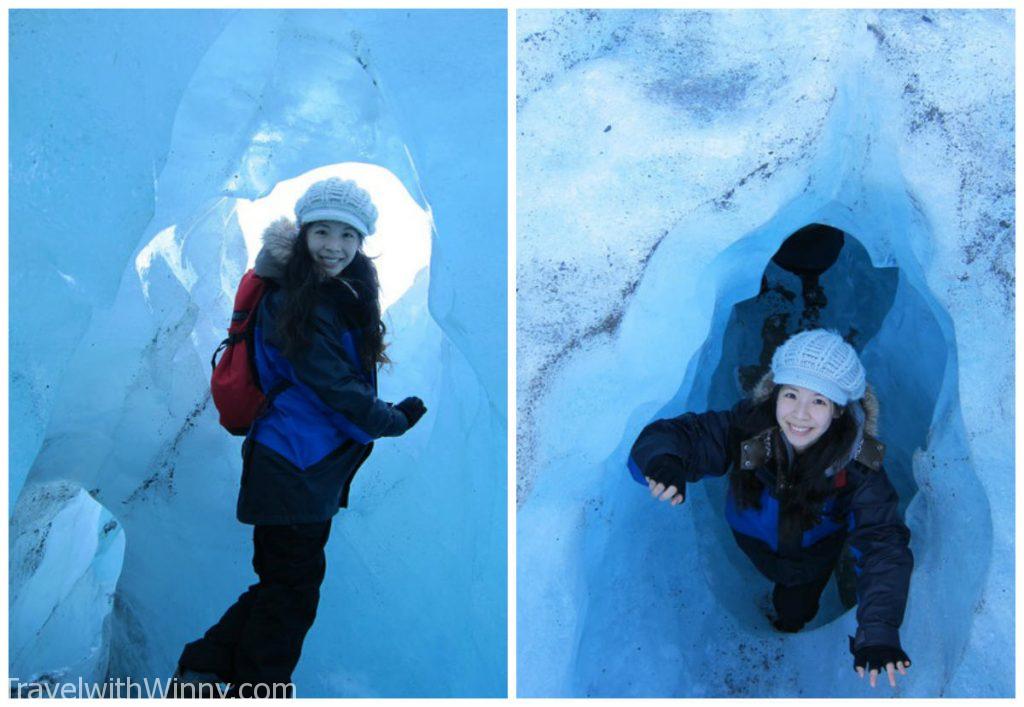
230	341
282	385
268	400
223	345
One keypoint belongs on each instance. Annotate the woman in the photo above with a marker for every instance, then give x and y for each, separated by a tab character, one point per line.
317	344
806	475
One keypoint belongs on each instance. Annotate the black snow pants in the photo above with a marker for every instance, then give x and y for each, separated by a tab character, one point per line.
797	604
259	638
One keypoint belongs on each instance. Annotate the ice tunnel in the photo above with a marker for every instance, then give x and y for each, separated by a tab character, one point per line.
134	255
823	278
895	329
682	279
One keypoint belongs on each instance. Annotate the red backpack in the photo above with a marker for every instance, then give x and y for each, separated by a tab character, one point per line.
235	383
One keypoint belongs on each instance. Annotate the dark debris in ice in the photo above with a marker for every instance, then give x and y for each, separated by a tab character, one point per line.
27	525
562	38
163	479
750	665
31	559
607	326
878	32
926	115
705	96
725	200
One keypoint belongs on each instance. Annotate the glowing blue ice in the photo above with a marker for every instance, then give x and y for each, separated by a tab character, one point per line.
685	147
135	133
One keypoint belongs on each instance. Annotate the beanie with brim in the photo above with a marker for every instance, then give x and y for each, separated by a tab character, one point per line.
337	199
821	361
336	215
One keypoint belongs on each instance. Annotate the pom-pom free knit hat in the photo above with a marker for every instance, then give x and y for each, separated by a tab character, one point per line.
821	361
337	200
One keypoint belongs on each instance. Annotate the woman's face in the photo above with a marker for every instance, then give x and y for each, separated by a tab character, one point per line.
803	415
332	245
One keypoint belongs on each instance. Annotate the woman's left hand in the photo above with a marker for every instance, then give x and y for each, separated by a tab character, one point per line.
871	658
661	493
889	668
413	409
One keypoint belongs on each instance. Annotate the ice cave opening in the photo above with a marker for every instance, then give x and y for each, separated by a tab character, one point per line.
818	277
72	615
400	246
138	271
619	595
657	578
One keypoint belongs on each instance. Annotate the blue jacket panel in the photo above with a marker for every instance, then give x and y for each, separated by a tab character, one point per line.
332	398
864	511
302	453
762	523
299	425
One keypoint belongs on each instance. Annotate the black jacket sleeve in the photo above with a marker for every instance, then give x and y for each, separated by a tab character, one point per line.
881	544
325	369
698	441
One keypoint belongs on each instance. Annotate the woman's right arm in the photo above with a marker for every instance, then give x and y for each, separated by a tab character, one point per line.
675	450
324	367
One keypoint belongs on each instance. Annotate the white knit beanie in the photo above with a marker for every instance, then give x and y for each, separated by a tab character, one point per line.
821	361
337	200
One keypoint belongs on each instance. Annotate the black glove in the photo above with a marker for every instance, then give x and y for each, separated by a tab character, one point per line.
668	470
877	657
413	409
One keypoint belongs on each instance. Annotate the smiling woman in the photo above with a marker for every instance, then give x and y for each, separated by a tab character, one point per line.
805	473
317	341
150	150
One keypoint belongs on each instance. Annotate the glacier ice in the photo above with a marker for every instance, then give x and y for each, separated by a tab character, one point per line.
134	136
686	146
56	586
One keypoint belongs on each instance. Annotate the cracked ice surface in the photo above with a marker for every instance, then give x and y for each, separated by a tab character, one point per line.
111	398
662	159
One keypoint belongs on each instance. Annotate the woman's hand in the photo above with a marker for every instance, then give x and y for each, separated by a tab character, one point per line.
661	493
413	409
871	658
666	478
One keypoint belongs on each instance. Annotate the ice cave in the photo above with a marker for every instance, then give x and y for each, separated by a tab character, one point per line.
139	139
701	152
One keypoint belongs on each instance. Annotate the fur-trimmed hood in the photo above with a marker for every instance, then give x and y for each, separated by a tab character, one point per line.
272	261
278	241
867	449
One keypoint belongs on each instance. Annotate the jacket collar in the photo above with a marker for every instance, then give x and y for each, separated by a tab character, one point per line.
278	239
762	447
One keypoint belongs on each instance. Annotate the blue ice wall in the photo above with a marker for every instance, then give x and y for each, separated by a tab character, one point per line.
96	94
129	126
687	146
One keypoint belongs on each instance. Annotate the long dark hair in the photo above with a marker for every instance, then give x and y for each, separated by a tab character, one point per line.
356	292
811	487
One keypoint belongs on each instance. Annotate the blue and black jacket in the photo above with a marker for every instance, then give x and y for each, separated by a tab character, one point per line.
864	510
301	455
